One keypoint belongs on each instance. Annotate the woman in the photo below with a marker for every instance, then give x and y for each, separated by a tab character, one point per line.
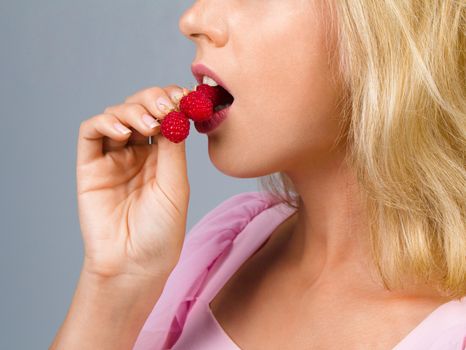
359	107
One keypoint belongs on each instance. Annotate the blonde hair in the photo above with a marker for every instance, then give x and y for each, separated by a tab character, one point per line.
402	64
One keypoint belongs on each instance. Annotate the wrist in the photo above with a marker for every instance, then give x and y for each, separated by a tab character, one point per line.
124	280
123	283
128	293
108	313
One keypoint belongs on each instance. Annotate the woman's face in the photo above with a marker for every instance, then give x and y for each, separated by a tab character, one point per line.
273	57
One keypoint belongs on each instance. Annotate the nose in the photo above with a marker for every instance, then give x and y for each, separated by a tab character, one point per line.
203	22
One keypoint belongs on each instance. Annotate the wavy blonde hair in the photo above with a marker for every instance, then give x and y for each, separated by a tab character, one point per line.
404	125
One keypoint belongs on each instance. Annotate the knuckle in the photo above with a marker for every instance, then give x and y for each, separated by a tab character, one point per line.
132	98
83	126
92	122
101	118
135	108
109	109
125	109
137	95
173	87
86	123
145	94
152	92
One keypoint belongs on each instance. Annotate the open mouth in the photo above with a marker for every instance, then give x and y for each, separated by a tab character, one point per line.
225	99
222	98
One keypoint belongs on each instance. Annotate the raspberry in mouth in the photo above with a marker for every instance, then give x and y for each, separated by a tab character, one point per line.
202	106
219	96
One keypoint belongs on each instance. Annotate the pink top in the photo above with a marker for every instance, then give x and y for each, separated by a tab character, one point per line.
213	251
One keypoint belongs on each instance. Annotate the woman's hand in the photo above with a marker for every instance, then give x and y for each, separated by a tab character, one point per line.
132	196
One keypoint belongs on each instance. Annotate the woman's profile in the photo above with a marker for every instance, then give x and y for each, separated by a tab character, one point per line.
353	116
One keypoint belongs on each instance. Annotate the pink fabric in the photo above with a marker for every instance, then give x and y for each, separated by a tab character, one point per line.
215	248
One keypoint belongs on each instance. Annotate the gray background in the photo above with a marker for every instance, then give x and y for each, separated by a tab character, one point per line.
62	62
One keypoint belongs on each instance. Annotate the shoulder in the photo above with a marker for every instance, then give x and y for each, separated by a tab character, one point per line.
452	338
453	326
444	329
226	220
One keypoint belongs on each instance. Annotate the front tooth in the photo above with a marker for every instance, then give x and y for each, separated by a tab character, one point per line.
209	81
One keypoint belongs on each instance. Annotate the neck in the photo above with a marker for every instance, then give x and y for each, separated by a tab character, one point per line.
329	238
330	223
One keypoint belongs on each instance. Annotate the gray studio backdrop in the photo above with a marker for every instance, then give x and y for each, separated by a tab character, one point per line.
62	62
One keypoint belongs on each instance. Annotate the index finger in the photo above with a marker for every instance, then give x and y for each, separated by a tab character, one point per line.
149	97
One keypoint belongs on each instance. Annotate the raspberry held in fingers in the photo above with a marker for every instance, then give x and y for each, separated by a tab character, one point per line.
175	126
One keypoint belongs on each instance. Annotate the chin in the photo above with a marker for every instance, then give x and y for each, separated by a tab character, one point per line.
236	164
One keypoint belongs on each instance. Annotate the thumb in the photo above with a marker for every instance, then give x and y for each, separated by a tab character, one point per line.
172	172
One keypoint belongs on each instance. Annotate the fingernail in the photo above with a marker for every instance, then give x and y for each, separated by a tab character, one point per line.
149	121
164	105
121	128
177	96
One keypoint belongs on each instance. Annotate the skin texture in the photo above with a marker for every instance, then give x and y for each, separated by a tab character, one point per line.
315	271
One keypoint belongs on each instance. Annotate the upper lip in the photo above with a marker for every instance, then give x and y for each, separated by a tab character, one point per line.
199	70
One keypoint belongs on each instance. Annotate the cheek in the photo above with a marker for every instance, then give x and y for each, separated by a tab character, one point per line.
258	141
285	108
285	73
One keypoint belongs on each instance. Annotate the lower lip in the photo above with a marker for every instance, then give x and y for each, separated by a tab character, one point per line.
217	118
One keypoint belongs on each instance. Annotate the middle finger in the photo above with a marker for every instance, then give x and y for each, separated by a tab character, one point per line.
136	116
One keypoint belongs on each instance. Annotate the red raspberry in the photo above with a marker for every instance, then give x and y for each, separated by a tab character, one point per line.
217	94
175	126
197	106
210	91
